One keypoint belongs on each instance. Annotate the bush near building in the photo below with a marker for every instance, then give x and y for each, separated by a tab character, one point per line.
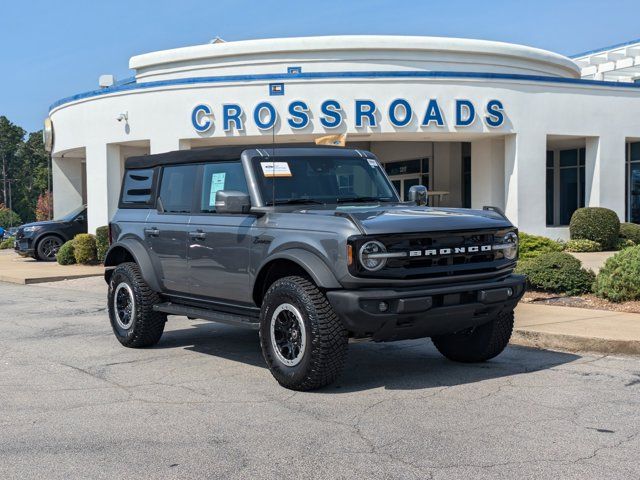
623	243
102	242
630	231
8	218
531	246
557	272
583	245
7	243
619	278
597	224
66	254
84	246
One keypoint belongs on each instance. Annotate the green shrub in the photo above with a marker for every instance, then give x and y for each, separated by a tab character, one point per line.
557	272
619	278
7	243
533	245
102	242
623	243
583	245
84	247
630	231
8	218
65	255
595	223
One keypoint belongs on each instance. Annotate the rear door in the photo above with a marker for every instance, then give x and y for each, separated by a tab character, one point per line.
166	231
220	245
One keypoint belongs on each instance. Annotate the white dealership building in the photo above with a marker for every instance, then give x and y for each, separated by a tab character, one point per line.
478	122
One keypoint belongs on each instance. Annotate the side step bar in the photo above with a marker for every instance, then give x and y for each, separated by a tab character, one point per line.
205	314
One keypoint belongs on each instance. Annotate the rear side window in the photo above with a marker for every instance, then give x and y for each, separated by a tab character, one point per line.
220	176
137	188
177	187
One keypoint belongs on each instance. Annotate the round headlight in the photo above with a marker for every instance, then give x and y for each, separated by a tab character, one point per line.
369	256
510	240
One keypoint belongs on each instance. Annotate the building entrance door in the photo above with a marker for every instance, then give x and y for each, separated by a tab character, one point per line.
403	183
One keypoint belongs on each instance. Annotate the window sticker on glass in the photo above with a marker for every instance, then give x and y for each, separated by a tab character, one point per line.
275	169
217	184
372	162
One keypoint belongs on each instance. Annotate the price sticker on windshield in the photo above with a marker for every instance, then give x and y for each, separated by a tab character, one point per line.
372	162
275	169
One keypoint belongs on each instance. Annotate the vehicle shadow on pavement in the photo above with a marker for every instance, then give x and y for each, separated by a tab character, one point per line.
405	365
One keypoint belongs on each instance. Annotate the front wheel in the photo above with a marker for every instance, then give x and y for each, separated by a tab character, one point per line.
303	341
48	248
130	302
479	343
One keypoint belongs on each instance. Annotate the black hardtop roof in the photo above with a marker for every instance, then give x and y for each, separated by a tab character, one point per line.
218	154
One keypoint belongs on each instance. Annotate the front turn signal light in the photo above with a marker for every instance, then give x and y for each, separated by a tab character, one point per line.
349	255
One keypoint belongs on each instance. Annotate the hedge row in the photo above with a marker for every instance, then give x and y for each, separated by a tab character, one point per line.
85	248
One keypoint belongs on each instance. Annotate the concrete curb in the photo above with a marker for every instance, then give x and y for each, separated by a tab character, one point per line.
54	278
574	343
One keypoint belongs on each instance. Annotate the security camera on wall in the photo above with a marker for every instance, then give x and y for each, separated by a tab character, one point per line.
123	116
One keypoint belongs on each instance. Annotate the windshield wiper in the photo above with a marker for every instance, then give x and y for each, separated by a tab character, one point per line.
363	199
297	201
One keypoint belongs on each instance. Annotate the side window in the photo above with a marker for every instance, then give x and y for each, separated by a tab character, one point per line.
220	176
137	187
176	188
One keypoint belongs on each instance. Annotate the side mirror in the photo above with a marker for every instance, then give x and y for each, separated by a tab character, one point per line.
232	201
418	195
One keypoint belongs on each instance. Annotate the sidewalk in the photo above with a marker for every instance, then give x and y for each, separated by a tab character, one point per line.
577	329
16	269
593	260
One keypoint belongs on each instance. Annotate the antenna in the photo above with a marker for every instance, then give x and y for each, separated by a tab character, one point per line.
273	163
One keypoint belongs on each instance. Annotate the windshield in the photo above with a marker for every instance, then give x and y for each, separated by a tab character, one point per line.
71	215
320	180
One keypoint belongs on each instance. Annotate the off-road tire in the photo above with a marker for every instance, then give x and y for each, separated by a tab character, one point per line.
479	344
43	243
326	337
147	325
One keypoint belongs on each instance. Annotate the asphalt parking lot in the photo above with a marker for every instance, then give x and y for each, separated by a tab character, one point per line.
75	404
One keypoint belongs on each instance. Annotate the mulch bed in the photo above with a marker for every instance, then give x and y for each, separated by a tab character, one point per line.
585	301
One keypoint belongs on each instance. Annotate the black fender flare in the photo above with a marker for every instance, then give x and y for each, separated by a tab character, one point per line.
317	269
140	256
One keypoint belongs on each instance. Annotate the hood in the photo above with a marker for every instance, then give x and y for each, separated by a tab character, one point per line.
43	223
376	220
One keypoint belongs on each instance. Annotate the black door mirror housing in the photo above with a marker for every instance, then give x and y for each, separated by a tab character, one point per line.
419	195
232	201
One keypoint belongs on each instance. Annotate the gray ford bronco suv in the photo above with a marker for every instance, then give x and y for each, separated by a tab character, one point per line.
310	246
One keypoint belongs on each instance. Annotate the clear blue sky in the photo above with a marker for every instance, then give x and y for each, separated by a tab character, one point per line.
52	49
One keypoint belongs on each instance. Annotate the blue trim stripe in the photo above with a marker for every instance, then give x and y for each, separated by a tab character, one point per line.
333	75
604	49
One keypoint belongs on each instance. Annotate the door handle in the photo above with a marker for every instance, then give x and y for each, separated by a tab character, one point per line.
197	235
152	232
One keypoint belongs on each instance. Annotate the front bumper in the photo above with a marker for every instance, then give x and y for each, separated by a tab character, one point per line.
417	312
24	246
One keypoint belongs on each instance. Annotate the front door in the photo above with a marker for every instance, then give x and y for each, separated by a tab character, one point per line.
403	183
219	245
166	231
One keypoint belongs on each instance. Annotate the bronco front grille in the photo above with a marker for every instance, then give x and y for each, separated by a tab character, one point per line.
438	254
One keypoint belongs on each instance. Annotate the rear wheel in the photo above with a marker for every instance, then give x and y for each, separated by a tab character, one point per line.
48	248
303	341
130	301
479	343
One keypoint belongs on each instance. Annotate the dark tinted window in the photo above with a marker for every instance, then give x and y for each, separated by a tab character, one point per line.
137	187
177	187
221	176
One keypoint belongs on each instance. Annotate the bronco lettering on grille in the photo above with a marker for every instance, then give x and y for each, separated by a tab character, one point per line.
450	251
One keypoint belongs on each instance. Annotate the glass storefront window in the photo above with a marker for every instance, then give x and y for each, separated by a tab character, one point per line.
633	183
565	183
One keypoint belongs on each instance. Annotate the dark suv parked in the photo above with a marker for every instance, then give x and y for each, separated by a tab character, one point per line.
310	246
42	240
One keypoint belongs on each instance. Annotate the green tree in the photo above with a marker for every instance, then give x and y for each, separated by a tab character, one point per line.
11	137
31	171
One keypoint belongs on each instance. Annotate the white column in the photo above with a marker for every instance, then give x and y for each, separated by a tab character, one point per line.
66	184
169	144
605	173
487	173
104	173
525	181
